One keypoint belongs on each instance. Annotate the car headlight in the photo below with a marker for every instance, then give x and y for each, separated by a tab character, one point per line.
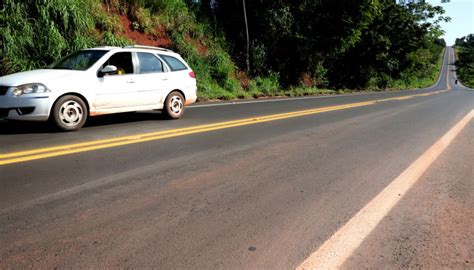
32	88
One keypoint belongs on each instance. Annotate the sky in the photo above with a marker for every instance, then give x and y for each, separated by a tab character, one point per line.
462	19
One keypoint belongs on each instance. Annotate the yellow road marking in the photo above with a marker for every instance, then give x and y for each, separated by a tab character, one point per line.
448	86
41	153
337	249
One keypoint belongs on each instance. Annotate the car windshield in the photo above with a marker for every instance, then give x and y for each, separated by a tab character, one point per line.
80	60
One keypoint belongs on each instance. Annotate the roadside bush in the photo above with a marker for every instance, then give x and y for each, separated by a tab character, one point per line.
268	86
465	62
35	33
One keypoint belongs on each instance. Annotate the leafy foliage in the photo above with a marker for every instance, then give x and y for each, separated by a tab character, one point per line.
397	48
305	46
341	44
204	51
34	33
465	63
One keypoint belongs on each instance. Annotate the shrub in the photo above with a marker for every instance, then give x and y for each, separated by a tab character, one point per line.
35	33
267	86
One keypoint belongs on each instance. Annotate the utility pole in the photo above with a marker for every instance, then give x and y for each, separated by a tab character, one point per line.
248	38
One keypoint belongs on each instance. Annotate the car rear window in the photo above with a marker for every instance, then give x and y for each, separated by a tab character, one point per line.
149	63
174	63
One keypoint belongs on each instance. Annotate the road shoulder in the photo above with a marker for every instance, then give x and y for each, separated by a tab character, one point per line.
431	227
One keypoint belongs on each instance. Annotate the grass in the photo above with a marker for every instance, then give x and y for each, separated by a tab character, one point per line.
466	76
423	74
432	74
37	32
31	39
464	71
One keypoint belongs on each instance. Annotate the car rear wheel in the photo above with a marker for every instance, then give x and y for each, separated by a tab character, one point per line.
69	113
174	105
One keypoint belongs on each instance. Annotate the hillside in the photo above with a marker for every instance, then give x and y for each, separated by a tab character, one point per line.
465	62
294	48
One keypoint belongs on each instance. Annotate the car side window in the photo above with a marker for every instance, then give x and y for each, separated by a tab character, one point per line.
149	63
174	63
123	62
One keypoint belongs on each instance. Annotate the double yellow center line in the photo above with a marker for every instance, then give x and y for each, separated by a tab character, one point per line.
41	153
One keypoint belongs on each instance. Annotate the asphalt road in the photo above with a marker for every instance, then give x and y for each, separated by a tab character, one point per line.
264	195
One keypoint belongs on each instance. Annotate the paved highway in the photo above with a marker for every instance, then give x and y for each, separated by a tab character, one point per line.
381	180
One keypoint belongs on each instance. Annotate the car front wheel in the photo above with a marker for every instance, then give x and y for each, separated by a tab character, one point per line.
69	113
174	105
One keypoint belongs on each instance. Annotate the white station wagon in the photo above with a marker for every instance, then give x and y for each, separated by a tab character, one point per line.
100	81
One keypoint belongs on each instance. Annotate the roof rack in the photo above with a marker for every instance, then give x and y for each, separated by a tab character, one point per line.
104	47
148	47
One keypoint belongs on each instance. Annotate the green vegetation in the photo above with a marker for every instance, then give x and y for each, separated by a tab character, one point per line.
296	47
366	44
465	62
35	33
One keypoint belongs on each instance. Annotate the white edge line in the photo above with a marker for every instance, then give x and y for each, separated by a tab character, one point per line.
298	98
333	253
327	96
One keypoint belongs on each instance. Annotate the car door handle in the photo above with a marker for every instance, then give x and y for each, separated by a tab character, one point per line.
131	81
164	79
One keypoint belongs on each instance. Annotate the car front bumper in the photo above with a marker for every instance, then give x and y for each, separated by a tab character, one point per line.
34	108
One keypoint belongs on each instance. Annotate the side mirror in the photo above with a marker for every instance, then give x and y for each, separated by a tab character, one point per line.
108	70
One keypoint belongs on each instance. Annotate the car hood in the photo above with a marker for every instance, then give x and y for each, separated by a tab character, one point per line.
36	76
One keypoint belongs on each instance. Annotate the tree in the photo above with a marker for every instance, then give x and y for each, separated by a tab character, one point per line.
345	43
247	54
465	63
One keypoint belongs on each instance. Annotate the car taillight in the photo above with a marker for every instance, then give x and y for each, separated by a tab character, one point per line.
192	75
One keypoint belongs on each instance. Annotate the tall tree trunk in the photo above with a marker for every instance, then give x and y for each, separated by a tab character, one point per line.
247	60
